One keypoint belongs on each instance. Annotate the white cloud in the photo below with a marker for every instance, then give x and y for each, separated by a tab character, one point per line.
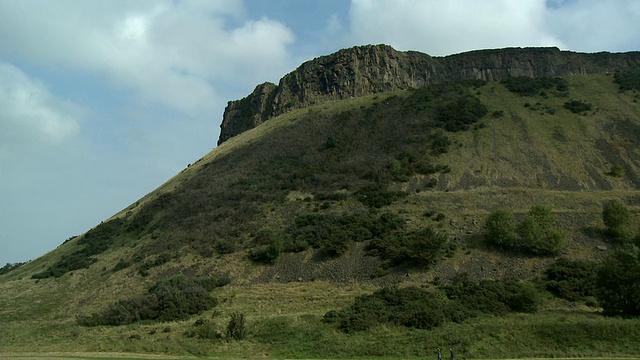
446	27
597	25
178	53
30	113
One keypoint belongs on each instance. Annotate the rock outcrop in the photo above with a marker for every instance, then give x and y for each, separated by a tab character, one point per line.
373	69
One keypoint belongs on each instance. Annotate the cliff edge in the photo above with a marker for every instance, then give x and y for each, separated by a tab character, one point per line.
370	69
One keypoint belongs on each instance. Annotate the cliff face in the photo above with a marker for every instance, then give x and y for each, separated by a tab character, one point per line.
372	69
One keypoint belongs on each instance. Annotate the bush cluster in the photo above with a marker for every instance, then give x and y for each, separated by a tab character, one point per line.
627	79
377	196
334	232
8	267
618	282
95	241
577	107
572	280
425	309
527	86
617	221
420	247
493	297
170	299
535	234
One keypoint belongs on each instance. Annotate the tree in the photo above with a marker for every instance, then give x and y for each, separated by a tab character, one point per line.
616	218
618	282
537	235
501	228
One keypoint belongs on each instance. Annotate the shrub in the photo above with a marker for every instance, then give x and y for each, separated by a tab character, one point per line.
10	267
616	171
410	307
616	219
577	107
236	328
170	299
571	279
537	236
618	282
94	242
203	330
501	229
421	247
533	235
627	79
268	253
334	232
493	297
376	196
527	86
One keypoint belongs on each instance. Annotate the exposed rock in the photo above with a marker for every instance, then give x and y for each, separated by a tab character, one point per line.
601	248
373	69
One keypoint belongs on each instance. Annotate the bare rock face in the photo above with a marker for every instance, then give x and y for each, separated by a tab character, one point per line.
373	69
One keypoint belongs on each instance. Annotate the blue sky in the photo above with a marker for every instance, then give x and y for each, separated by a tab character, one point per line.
103	101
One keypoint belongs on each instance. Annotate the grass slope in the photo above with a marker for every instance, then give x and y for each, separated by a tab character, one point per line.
528	151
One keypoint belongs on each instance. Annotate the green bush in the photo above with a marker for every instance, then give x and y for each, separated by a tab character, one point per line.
617	221
618	283
534	234
421	247
170	299
411	307
335	232
10	267
423	309
493	297
376	196
501	229
528	86
577	107
616	171
203	330
572	280
537	236
627	79
268	253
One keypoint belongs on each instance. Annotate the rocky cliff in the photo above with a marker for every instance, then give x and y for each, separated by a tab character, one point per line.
372	69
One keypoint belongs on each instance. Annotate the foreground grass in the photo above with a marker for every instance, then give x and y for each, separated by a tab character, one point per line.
286	331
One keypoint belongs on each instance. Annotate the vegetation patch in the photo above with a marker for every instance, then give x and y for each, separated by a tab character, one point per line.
577	107
95	241
174	298
535	234
528	86
627	79
427	309
572	280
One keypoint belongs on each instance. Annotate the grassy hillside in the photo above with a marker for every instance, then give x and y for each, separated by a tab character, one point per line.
289	212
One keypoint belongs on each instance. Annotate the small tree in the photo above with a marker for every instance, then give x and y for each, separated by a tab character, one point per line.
501	229
616	218
537	234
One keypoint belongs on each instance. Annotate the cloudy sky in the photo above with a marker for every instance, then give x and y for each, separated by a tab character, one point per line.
103	101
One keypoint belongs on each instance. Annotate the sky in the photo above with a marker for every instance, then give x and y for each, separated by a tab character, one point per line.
103	101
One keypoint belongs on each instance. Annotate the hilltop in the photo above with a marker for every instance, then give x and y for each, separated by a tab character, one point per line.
356	189
371	69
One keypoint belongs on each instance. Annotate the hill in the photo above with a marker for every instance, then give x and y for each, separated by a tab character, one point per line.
287	224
